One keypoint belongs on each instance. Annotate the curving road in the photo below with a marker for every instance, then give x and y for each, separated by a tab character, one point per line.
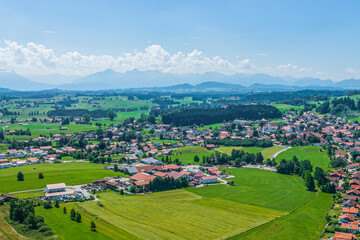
283	150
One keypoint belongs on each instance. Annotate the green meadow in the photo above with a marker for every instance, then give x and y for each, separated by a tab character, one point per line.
37	129
261	205
266	152
307	222
70	173
175	214
316	155
261	188
186	154
286	107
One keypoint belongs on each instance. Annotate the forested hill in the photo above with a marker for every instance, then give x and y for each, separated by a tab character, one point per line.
186	117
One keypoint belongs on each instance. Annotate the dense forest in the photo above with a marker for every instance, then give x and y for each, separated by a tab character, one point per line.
186	117
77	113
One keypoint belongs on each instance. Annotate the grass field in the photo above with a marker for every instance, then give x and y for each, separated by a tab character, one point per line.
151	216
261	188
37	129
32	194
65	228
317	158
285	107
266	152
257	208
186	154
70	173
212	126
305	223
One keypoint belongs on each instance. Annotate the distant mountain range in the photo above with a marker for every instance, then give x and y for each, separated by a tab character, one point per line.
158	81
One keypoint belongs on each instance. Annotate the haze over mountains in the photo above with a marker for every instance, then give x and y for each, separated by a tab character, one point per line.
156	80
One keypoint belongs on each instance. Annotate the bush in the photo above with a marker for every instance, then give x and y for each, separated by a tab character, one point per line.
48	233
41	224
44	229
47	205
39	219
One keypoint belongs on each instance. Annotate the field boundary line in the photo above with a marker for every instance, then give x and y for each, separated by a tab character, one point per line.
277	218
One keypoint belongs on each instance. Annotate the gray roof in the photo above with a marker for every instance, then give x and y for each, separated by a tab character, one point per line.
132	170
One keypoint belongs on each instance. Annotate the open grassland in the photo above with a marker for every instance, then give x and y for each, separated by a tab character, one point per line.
266	152
286	107
261	188
262	205
317	157
70	173
186	154
305	223
31	194
212	126
65	228
37	129
175	214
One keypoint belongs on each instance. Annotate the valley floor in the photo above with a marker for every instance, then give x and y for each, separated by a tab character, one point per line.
274	206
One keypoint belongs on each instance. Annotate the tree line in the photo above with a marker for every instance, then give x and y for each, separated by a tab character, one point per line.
167	183
187	117
243	143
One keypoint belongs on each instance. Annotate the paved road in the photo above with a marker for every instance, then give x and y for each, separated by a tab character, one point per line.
283	150
349	158
31	190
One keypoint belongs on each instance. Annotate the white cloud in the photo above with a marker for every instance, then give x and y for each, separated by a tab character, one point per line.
352	71
289	70
262	54
36	59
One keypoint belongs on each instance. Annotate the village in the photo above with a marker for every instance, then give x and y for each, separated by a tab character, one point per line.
146	152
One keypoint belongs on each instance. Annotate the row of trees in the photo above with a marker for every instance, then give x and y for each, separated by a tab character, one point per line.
243	143
167	183
237	156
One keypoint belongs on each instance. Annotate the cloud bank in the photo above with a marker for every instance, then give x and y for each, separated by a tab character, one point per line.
36	59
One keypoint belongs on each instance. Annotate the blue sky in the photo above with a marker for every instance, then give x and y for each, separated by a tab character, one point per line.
295	38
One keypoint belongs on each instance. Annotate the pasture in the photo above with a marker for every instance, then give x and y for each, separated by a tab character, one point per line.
186	154
316	155
37	129
266	152
152	216
305	223
262	205
286	107
261	188
71	173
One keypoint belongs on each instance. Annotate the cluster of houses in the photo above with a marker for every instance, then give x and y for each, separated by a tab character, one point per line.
142	175
348	214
